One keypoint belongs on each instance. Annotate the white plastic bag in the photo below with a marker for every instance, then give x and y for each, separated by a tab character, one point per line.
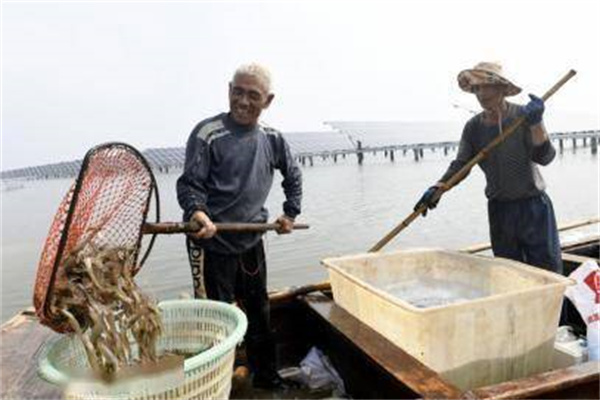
585	295
593	340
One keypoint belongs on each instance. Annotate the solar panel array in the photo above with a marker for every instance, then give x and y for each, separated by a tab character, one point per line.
345	136
49	171
165	158
300	143
377	133
317	142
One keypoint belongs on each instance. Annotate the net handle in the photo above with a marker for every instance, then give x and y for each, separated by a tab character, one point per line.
168	228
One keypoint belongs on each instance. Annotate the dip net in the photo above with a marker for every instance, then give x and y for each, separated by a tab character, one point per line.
104	209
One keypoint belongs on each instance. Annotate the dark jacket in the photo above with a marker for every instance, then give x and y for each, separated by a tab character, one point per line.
228	173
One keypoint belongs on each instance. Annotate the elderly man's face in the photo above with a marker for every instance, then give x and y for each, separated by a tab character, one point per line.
490	96
247	98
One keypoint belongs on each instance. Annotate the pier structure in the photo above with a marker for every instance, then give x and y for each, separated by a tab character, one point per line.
308	148
418	151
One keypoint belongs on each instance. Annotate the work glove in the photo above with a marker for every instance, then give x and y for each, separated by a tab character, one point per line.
427	200
534	110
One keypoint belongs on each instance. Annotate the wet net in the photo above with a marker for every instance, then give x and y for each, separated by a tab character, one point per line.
105	208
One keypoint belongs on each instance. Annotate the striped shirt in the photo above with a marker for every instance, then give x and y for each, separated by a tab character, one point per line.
511	169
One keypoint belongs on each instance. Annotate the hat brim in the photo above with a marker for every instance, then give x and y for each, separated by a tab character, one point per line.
469	78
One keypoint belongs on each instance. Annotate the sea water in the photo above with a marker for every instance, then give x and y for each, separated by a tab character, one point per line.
430	292
349	209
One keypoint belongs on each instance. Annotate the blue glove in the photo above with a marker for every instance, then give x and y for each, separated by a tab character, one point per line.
427	200
534	110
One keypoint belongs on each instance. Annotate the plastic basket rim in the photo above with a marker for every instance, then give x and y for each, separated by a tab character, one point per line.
560	282
50	373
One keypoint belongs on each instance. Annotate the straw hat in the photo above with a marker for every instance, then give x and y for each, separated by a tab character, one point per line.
486	73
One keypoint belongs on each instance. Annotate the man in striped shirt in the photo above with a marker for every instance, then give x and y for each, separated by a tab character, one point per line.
520	213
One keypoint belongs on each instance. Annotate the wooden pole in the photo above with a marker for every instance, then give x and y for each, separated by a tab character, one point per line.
457	177
290	293
169	228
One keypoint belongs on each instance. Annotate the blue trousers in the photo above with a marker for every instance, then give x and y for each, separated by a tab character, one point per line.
525	230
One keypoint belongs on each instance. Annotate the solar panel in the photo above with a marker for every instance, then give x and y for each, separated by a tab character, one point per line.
386	133
344	137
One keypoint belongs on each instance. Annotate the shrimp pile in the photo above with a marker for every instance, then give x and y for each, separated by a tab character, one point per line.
96	293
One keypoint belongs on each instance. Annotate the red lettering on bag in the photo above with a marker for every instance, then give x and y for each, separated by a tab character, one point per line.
593	281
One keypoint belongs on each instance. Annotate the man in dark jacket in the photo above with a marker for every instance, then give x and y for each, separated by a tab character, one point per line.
229	166
520	213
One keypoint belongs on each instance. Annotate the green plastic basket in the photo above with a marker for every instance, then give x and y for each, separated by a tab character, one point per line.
209	329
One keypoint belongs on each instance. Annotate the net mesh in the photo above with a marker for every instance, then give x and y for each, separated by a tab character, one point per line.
106	207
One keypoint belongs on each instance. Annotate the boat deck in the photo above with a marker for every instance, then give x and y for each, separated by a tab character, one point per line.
20	347
411	379
372	367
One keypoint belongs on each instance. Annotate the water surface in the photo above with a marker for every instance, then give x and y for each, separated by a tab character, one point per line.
349	208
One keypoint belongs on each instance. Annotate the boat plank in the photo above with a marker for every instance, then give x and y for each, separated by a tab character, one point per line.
21	342
398	363
579	381
576	259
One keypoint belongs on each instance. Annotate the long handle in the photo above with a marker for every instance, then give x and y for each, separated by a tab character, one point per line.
458	176
290	293
169	228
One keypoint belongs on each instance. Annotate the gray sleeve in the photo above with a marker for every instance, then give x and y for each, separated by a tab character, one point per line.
292	178
465	153
191	189
544	153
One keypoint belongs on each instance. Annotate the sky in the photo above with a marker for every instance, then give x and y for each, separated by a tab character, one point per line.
76	74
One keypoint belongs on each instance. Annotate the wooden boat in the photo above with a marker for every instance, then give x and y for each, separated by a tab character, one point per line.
372	367
369	364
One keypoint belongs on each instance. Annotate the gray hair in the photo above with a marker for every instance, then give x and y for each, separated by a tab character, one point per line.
258	71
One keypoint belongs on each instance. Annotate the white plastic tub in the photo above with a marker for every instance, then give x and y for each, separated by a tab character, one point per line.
500	325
